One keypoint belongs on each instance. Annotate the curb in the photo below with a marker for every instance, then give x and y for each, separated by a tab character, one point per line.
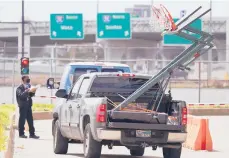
9	153
41	115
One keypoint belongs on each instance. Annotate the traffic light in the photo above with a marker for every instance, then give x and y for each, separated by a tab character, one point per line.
24	66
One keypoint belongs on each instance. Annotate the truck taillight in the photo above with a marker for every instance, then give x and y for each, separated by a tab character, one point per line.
184	116
101	113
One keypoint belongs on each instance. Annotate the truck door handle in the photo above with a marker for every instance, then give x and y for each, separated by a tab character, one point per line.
70	107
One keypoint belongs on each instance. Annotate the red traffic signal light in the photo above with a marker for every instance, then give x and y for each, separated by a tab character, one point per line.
24	66
25	61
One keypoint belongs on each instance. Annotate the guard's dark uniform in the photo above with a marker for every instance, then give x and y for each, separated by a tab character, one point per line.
25	102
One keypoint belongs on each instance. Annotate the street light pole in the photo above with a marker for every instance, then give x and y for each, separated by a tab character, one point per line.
22	28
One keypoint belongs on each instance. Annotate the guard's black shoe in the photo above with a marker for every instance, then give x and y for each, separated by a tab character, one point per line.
22	136
34	137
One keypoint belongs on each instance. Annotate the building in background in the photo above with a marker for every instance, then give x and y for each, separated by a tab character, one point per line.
139	11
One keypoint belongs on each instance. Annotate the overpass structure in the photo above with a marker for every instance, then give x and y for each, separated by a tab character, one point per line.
143	30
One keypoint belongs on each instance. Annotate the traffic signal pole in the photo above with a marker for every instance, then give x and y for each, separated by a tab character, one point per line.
22	29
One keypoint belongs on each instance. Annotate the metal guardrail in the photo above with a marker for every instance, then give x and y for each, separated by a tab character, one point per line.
138	25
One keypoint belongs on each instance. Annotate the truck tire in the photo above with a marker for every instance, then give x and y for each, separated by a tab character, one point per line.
60	143
53	126
172	152
137	152
92	148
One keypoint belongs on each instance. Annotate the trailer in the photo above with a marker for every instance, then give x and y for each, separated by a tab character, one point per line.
198	47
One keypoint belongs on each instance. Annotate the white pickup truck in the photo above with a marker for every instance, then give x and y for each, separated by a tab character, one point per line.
85	114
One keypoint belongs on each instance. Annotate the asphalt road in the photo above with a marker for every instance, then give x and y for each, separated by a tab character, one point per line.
43	147
189	95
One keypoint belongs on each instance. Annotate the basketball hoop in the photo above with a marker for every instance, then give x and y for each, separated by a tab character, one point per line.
164	18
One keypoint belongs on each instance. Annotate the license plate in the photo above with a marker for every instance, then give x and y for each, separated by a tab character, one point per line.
143	133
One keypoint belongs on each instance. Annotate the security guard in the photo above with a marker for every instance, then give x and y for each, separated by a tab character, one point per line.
24	95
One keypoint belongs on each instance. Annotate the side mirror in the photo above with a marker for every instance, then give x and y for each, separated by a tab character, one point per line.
57	85
61	93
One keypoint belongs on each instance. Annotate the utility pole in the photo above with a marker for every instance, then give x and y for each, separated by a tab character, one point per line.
95	47
209	73
22	28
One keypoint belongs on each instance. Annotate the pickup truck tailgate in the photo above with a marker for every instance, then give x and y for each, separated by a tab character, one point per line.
137	128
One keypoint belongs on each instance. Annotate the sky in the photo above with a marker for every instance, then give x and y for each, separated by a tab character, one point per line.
39	10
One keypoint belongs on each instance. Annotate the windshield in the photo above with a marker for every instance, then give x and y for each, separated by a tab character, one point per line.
118	84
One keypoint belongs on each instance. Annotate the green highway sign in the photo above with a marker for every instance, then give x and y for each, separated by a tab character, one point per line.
66	26
114	26
176	40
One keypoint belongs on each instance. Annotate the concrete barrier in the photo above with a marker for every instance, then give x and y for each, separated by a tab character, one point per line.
207	109
199	136
209	112
207	105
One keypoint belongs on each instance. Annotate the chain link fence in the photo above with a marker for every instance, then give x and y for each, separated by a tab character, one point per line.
50	61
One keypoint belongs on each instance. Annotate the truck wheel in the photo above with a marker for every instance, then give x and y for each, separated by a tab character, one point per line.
60	144
92	148
137	152
172	152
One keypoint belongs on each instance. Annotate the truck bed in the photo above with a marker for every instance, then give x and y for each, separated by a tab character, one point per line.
138	117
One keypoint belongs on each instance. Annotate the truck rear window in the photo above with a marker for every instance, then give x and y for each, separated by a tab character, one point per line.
85	70
117	84
80	71
112	70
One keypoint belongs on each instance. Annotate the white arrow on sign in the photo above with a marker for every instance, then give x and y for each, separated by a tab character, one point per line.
79	33
101	33
126	33
54	33
183	13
